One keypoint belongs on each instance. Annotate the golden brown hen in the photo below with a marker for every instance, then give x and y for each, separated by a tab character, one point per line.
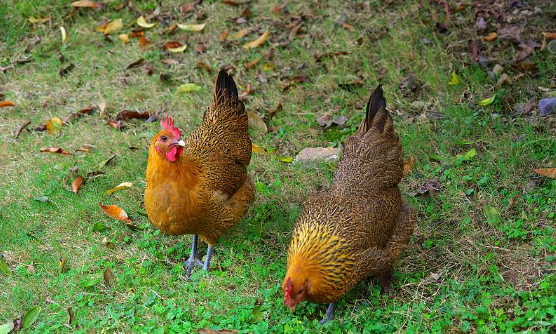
358	227
201	186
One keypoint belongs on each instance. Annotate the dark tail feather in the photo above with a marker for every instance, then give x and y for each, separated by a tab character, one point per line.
377	115
225	86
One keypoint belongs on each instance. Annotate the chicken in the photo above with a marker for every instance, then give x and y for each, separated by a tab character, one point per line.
201	186
359	227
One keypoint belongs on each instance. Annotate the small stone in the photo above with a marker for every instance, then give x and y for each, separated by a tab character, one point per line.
497	70
315	154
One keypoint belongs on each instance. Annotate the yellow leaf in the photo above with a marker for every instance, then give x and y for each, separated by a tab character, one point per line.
263	38
454	80
187	88
178	50
115	212
287	160
488	101
84	3
124	38
113	26
64	35
549	172
256	122
191	27
39	19
490	37
53	125
241	33
257	149
123	185
268	67
142	23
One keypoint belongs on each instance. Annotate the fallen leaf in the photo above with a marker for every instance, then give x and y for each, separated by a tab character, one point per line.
192	27
487	101
490	37
77	183
286	159
64	72
407	166
547	106
126	115
83	149
7	327
39	19
43	199
84	4
215	331
200	48
268	67
224	35
206	67
30	317
114	124
454	80
107	243
294	80
178	49
187	88
187	7
109	278
54	125
253	62
124	38
549	35
263	38
74	115
115	212
256	122
106	162
549	172
31	268
257	149
143	23
429	188
136	63
276	10
61	265
491	213
113	26
242	33
70	315
316	154
466	156
64	35
6	104
231	3
143	42
23	126
57	150
123	185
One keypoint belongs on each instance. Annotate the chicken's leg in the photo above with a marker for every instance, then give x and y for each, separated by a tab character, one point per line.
329	314
384	279
193	259
207	258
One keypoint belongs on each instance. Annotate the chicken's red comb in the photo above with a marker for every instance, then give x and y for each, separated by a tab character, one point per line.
288	292
168	124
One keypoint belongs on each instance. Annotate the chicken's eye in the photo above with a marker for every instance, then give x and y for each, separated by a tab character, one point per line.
163	138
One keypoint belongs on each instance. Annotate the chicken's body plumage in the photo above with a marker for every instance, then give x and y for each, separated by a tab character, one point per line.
358	227
207	190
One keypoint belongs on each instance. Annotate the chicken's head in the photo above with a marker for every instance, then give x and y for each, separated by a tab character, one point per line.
294	292
167	142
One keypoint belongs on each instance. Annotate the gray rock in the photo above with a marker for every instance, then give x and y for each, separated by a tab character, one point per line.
315	154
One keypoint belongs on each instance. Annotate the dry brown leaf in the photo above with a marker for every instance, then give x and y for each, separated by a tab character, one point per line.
84	4
57	150
187	7
256	122
408	165
253	62
224	35
114	211
136	63
231	3
143	42
77	183
490	37
6	104
347	26
126	115
549	35
114	124
263	38
276	10
109	278
204	66
257	149
23	126
549	172
242	33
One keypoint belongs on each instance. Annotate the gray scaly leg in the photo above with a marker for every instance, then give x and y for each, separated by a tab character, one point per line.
329	314
193	259
207	259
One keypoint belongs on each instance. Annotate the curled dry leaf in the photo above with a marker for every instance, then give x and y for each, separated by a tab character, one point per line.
242	33
192	27
109	278
126	115
143	23
549	35
143	42
112	26
21	128
114	124
84	4
204	66
224	35
56	150
54	125
136	63
6	104
263	38
123	185
77	183
64	35
256	122
115	212
70	315
407	166
490	37
549	172
124	38
253	62
39	19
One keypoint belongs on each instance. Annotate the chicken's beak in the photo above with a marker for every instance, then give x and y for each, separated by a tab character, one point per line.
180	143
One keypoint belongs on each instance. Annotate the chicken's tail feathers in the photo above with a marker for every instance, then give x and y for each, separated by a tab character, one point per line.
225	86
377	116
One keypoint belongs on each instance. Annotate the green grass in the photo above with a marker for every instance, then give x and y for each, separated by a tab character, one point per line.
482	258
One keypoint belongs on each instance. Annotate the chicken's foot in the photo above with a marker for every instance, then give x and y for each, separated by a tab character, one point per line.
384	279
207	258
193	259
329	314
